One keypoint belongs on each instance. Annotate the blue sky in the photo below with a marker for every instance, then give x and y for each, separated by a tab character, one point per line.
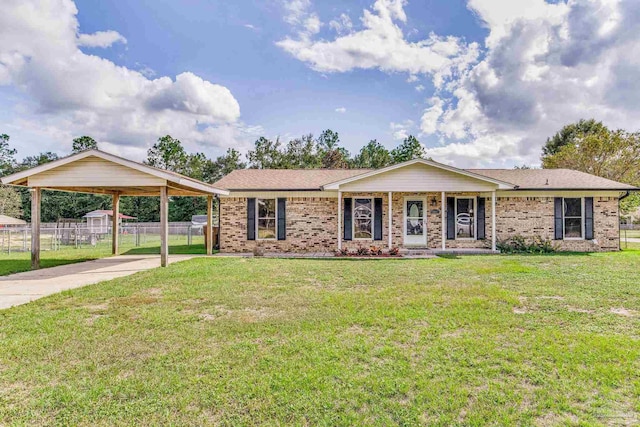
480	82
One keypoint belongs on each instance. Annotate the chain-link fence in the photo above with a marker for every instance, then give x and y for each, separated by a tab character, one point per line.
18	239
629	235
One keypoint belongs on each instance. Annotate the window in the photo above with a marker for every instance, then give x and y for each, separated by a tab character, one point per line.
465	218
363	218
573	218
266	217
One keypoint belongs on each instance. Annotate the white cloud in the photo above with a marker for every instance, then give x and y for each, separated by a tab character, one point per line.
543	65
341	110
299	15
420	88
342	25
250	26
66	93
400	131
546	65
100	39
381	44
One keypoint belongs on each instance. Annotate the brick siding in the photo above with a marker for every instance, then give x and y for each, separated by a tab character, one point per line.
312	224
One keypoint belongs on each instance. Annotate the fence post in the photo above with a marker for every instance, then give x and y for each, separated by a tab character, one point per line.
75	236
24	240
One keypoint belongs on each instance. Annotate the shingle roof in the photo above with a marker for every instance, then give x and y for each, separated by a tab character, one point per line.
284	179
557	179
314	179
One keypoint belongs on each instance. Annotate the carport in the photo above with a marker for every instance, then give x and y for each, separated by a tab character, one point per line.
97	172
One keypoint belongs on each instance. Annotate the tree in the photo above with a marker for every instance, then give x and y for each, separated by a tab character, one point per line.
10	202
301	153
168	153
410	149
84	143
331	155
223	165
373	156
7	156
613	155
267	155
571	132
37	160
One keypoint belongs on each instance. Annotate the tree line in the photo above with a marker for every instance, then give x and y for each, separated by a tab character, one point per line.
587	145
169	153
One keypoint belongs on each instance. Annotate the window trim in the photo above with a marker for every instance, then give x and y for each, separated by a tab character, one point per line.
353	218
475	217
582	219
258	218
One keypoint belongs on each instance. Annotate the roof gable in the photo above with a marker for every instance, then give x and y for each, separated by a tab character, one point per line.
97	171
418	175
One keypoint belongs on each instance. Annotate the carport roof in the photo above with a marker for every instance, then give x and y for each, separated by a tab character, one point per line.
98	172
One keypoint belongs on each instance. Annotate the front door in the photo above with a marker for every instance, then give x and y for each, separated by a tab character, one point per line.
415	224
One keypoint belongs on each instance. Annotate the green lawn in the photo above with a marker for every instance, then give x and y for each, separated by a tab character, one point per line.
507	340
21	261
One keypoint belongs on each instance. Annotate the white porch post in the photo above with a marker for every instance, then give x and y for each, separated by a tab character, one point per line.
339	220
493	221
164	227
115	235
209	224
443	218
389	231
35	228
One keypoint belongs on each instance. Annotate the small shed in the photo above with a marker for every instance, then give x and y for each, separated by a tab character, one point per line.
99	221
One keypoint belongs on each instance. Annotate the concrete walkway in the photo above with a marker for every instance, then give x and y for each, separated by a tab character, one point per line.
21	288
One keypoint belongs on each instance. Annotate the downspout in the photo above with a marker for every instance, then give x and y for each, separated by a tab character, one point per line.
217	196
626	194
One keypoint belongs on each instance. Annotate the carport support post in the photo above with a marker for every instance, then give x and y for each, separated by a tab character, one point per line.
209	238
115	224
35	227
164	227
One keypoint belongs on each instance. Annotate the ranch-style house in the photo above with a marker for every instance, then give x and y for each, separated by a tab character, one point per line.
416	204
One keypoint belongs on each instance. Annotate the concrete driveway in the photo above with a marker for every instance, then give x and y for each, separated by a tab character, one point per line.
21	288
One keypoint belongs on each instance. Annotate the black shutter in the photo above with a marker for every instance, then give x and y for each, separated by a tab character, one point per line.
282	218
481	218
377	219
348	223
451	218
557	218
251	219
588	218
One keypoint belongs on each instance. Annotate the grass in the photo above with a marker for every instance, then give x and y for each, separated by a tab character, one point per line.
16	262
508	340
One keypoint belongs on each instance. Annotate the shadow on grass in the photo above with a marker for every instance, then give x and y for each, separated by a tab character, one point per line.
173	250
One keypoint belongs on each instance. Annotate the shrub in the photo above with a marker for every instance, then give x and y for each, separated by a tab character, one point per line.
342	252
518	244
375	250
362	251
394	251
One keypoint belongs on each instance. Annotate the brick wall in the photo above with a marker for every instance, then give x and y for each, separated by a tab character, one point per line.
312	224
534	216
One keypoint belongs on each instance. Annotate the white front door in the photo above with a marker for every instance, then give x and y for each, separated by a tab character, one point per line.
415	221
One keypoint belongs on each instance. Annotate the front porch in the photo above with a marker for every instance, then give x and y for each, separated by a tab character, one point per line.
418	222
418	204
